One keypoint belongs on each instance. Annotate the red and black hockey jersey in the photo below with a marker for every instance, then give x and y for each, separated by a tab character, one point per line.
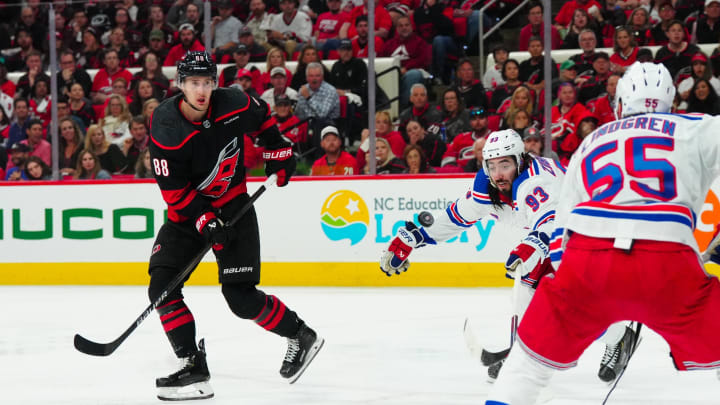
199	165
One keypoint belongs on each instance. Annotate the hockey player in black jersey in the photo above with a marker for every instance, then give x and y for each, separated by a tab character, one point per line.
197	156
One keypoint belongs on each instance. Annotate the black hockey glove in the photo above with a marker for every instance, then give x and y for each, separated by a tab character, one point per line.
214	230
281	162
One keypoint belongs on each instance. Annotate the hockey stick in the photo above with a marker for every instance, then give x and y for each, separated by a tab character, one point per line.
104	349
636	342
487	358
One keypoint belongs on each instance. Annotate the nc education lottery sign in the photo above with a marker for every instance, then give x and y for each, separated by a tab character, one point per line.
310	220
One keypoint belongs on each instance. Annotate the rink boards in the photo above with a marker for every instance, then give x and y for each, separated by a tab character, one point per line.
315	232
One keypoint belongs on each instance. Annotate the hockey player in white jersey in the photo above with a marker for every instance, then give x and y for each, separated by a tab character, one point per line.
624	241
514	188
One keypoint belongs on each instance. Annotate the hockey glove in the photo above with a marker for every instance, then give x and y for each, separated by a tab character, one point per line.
395	259
280	162
532	255
214	230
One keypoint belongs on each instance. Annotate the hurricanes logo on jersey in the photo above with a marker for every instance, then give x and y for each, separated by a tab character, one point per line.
217	183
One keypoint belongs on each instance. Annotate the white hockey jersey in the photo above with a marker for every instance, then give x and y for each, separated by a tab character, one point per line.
642	177
536	192
300	25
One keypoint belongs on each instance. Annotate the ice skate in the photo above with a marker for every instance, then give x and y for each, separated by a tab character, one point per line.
192	381
494	370
302	349
616	357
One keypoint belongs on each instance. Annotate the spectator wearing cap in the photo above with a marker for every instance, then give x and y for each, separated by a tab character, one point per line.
37	145
532	70
157	45
35	72
90	57
258	21
666	13
470	89
535	144
188	43
349	76
706	29
383	21
593	86
625	48
699	69
335	161
414	53
241	57
493	76
290	28
225	30
156	22
288	123
102	83
460	151
317	98
257	52
328	26
360	41
535	28
278	81
19	154
243	81
678	52
568	73
588	43
437	29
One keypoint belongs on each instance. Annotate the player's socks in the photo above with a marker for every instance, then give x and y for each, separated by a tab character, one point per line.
302	349
192	381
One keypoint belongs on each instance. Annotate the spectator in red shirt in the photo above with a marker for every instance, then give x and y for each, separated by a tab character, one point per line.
335	161
604	108
6	86
360	42
102	84
328	26
564	16
383	21
535	28
188	43
566	117
414	54
626	50
460	151
383	129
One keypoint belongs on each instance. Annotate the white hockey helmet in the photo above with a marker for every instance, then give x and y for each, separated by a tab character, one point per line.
503	143
645	87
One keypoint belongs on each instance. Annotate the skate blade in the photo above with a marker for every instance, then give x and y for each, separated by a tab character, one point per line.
200	390
319	342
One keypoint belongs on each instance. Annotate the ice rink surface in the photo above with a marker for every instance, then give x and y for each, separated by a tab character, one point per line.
383	346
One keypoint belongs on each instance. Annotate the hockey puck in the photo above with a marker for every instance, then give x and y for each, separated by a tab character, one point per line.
426	219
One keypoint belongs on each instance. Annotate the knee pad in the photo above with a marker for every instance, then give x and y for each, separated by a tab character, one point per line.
160	278
244	299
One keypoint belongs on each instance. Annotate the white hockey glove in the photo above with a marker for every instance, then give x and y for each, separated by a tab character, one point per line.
534	255
394	260
712	253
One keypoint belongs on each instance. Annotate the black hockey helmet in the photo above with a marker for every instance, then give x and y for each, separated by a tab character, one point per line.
196	63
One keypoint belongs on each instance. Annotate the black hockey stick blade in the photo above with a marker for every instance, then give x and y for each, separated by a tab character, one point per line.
105	349
487	358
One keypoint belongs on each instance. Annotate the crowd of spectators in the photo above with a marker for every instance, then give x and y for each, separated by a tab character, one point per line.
446	111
